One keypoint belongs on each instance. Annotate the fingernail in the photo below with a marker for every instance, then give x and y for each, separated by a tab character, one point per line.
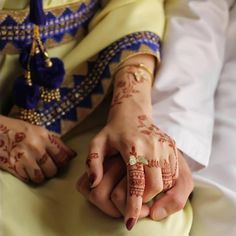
130	223
92	178
159	214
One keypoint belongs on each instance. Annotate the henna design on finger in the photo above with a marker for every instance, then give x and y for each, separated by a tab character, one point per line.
63	156
90	157
136	180
38	175
136	177
166	176
43	159
147	128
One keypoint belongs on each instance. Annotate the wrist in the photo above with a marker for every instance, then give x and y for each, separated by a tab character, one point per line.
131	107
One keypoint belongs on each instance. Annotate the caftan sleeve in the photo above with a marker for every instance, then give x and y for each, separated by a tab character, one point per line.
123	18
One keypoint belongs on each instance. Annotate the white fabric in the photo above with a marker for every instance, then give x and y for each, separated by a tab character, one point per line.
214	200
196	61
192	60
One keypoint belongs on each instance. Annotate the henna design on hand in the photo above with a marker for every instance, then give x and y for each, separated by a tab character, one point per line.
147	128
125	88
136	177
7	147
3	129
90	157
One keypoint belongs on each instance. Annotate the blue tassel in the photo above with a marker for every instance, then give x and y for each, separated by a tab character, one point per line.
25	96
48	77
24	57
37	15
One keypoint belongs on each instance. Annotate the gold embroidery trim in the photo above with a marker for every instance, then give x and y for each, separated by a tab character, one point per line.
20	15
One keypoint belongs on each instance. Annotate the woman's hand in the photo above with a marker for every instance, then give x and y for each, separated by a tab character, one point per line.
150	155
30	152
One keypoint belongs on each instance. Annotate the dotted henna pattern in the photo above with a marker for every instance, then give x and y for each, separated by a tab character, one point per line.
166	176
136	177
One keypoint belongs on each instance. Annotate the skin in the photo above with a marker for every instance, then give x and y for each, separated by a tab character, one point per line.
130	132
30	157
110	194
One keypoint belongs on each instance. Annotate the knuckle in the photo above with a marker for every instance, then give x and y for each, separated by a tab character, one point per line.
97	196
38	177
117	196
94	142
178	202
52	172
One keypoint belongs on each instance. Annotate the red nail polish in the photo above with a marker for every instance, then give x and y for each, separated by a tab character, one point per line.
130	223
92	178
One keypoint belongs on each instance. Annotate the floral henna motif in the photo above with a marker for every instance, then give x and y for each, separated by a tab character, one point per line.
136	177
125	88
3	129
7	146
90	157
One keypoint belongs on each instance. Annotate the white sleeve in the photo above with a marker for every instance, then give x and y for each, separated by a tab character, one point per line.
183	93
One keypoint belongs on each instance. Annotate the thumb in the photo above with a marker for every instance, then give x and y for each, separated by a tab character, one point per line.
95	160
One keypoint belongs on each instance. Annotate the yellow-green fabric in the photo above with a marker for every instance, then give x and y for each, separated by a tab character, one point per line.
57	209
105	28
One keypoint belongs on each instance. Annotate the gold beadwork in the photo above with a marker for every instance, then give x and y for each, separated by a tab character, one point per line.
48	61
30	116
49	95
28	77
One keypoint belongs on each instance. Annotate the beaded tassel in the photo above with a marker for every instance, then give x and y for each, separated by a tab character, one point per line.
43	75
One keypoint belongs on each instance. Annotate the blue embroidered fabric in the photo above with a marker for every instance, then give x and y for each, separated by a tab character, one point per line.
86	86
19	34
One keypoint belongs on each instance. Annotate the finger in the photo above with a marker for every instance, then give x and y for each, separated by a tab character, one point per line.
153	180
176	198
119	196
173	159
94	161
47	165
60	153
32	169
100	196
82	185
135	188
166	175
